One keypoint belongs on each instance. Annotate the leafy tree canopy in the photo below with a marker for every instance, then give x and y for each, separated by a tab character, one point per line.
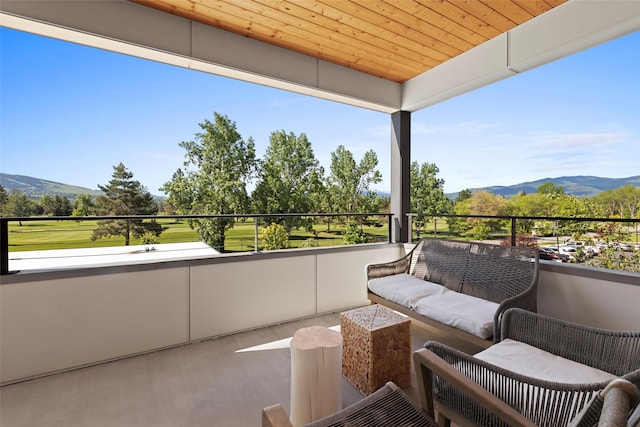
4	199
427	192
56	206
290	179
84	205
350	183
218	163
551	189
18	204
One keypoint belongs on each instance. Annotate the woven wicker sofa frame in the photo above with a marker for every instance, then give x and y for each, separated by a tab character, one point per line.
506	275
543	402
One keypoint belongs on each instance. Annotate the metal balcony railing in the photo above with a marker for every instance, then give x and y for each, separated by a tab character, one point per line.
559	223
258	220
505	228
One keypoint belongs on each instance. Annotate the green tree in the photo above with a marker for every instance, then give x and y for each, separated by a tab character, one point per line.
19	205
83	205
486	203
218	164
350	184
536	204
125	196
427	192
568	205
550	189
463	195
460	226
4	199
622	202
57	205
290	179
461	206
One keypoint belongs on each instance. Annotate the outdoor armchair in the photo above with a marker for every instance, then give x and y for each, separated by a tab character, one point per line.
388	406
544	401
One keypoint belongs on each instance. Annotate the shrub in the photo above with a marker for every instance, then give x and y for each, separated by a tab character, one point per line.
354	235
310	243
273	237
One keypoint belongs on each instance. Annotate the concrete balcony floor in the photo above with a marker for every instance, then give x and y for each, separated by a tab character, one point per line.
219	382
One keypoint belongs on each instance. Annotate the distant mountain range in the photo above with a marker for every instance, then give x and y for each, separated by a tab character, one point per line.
580	186
36	188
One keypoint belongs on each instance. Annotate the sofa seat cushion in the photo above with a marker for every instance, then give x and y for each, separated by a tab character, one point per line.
470	314
533	362
403	289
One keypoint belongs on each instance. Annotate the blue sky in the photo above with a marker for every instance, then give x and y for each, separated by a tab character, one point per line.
69	113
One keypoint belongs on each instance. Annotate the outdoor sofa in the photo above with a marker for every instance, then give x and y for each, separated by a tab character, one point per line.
461	287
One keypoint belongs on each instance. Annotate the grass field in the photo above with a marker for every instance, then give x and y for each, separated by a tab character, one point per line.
47	235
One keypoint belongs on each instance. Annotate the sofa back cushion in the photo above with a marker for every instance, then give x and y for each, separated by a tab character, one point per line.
496	273
441	261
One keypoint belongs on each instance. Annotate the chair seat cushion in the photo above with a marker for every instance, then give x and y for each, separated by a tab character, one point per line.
470	314
536	363
403	289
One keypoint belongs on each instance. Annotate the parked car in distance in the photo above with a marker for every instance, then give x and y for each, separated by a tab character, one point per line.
601	246
570	251
626	247
548	255
551	254
574	243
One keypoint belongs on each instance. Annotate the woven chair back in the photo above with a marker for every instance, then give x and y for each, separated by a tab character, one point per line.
491	272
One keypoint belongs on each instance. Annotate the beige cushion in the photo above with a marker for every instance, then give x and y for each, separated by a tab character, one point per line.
536	363
470	314
403	289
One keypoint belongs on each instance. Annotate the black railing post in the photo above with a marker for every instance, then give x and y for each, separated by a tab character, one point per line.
390	227
513	231
4	246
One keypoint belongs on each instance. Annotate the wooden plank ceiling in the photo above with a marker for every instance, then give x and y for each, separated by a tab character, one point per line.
392	39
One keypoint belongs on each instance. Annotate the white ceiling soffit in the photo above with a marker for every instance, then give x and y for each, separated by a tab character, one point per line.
562	31
128	28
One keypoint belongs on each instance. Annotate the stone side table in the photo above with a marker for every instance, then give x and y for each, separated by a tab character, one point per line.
376	348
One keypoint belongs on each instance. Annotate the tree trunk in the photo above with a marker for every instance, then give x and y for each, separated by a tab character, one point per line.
316	374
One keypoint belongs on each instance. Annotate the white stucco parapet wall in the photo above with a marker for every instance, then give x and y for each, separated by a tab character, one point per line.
112	255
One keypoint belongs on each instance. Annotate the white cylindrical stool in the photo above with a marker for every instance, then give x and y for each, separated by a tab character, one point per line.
316	374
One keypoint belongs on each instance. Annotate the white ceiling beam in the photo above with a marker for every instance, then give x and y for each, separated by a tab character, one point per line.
570	28
128	28
562	31
471	70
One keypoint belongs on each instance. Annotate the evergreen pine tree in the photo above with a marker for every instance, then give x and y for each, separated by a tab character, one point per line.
125	196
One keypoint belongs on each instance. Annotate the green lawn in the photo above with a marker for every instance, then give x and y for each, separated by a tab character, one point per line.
47	235
44	235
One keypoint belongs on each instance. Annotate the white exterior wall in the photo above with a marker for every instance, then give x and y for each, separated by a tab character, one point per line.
568	293
48	325
242	295
53	324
